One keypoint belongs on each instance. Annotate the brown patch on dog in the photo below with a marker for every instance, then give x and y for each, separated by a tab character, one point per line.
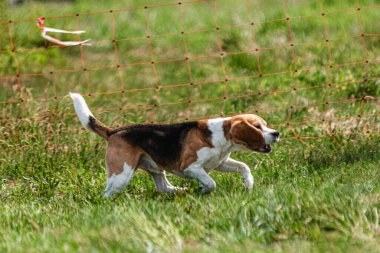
245	130
196	139
120	152
203	128
226	129
99	128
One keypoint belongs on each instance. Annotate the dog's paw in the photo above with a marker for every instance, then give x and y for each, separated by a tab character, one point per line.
181	189
248	181
173	189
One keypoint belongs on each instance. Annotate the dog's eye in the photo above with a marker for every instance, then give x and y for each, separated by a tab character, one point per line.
257	126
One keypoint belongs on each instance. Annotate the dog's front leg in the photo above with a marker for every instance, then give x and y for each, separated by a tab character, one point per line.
196	171
231	165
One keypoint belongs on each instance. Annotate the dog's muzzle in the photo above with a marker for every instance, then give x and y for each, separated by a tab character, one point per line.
270	136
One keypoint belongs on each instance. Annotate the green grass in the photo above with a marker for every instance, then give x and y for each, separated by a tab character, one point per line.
314	195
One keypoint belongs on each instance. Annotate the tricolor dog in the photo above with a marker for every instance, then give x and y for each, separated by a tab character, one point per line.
188	150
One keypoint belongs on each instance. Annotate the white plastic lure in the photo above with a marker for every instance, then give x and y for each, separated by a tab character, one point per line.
44	30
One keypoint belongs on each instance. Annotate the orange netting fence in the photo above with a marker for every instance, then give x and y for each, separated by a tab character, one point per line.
359	107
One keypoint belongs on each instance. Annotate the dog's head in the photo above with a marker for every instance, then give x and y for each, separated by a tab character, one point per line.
250	131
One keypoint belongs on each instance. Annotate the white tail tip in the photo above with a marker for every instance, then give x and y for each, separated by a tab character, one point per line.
81	109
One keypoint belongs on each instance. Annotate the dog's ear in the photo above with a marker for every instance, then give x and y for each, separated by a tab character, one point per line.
244	133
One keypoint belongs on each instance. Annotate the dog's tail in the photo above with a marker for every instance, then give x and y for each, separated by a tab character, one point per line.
87	118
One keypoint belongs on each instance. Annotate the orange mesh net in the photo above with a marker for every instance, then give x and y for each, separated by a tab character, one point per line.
150	101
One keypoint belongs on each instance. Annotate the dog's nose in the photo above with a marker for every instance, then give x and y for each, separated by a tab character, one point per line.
276	134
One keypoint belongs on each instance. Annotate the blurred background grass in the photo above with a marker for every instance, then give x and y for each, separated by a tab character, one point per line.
340	26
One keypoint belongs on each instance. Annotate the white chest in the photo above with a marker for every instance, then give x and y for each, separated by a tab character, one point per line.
210	158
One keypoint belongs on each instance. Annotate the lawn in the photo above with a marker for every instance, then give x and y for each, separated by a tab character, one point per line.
314	77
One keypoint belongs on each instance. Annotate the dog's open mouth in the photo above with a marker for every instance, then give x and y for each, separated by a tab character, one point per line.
266	149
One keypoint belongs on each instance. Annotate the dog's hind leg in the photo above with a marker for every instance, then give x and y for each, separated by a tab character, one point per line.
117	182
163	185
161	182
121	161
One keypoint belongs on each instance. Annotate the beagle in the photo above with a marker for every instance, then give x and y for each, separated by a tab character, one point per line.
188	150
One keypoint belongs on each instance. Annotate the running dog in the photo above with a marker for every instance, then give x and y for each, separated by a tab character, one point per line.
188	149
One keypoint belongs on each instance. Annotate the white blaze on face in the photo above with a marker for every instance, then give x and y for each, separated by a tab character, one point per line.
268	135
